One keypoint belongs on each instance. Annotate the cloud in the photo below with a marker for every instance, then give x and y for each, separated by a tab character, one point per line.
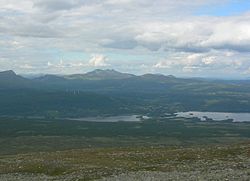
197	34
205	62
247	71
98	60
27	66
85	19
166	35
15	6
118	2
55	5
120	44
27	27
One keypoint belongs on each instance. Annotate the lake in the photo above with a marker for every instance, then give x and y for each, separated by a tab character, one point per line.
129	118
216	116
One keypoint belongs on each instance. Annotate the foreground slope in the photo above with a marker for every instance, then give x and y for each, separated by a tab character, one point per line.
229	162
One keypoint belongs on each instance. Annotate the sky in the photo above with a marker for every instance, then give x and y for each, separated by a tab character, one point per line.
185	38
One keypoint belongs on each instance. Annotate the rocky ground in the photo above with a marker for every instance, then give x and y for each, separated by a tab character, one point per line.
224	162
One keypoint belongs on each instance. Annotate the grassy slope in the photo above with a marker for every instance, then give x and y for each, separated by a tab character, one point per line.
24	135
35	149
89	164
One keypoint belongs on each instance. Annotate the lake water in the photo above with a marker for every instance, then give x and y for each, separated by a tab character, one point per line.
129	118
216	116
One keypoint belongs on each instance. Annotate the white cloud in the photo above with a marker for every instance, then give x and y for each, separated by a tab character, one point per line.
25	6
247	71
197	34
27	66
163	64
49	64
209	60
98	60
56	5
118	1
205	62
169	32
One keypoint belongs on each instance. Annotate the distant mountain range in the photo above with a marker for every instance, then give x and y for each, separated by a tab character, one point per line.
97	78
111	92
108	74
108	80
9	79
99	74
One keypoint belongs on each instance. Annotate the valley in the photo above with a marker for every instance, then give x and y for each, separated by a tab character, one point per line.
96	127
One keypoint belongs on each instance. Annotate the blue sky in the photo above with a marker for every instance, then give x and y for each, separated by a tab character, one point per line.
227	8
194	38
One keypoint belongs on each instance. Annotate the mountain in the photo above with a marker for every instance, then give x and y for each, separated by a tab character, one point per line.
157	77
9	79
98	74
103	80
113	81
49	78
85	94
7	73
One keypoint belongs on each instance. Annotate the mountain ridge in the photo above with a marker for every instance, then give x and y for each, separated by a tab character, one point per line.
9	79
154	93
99	74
